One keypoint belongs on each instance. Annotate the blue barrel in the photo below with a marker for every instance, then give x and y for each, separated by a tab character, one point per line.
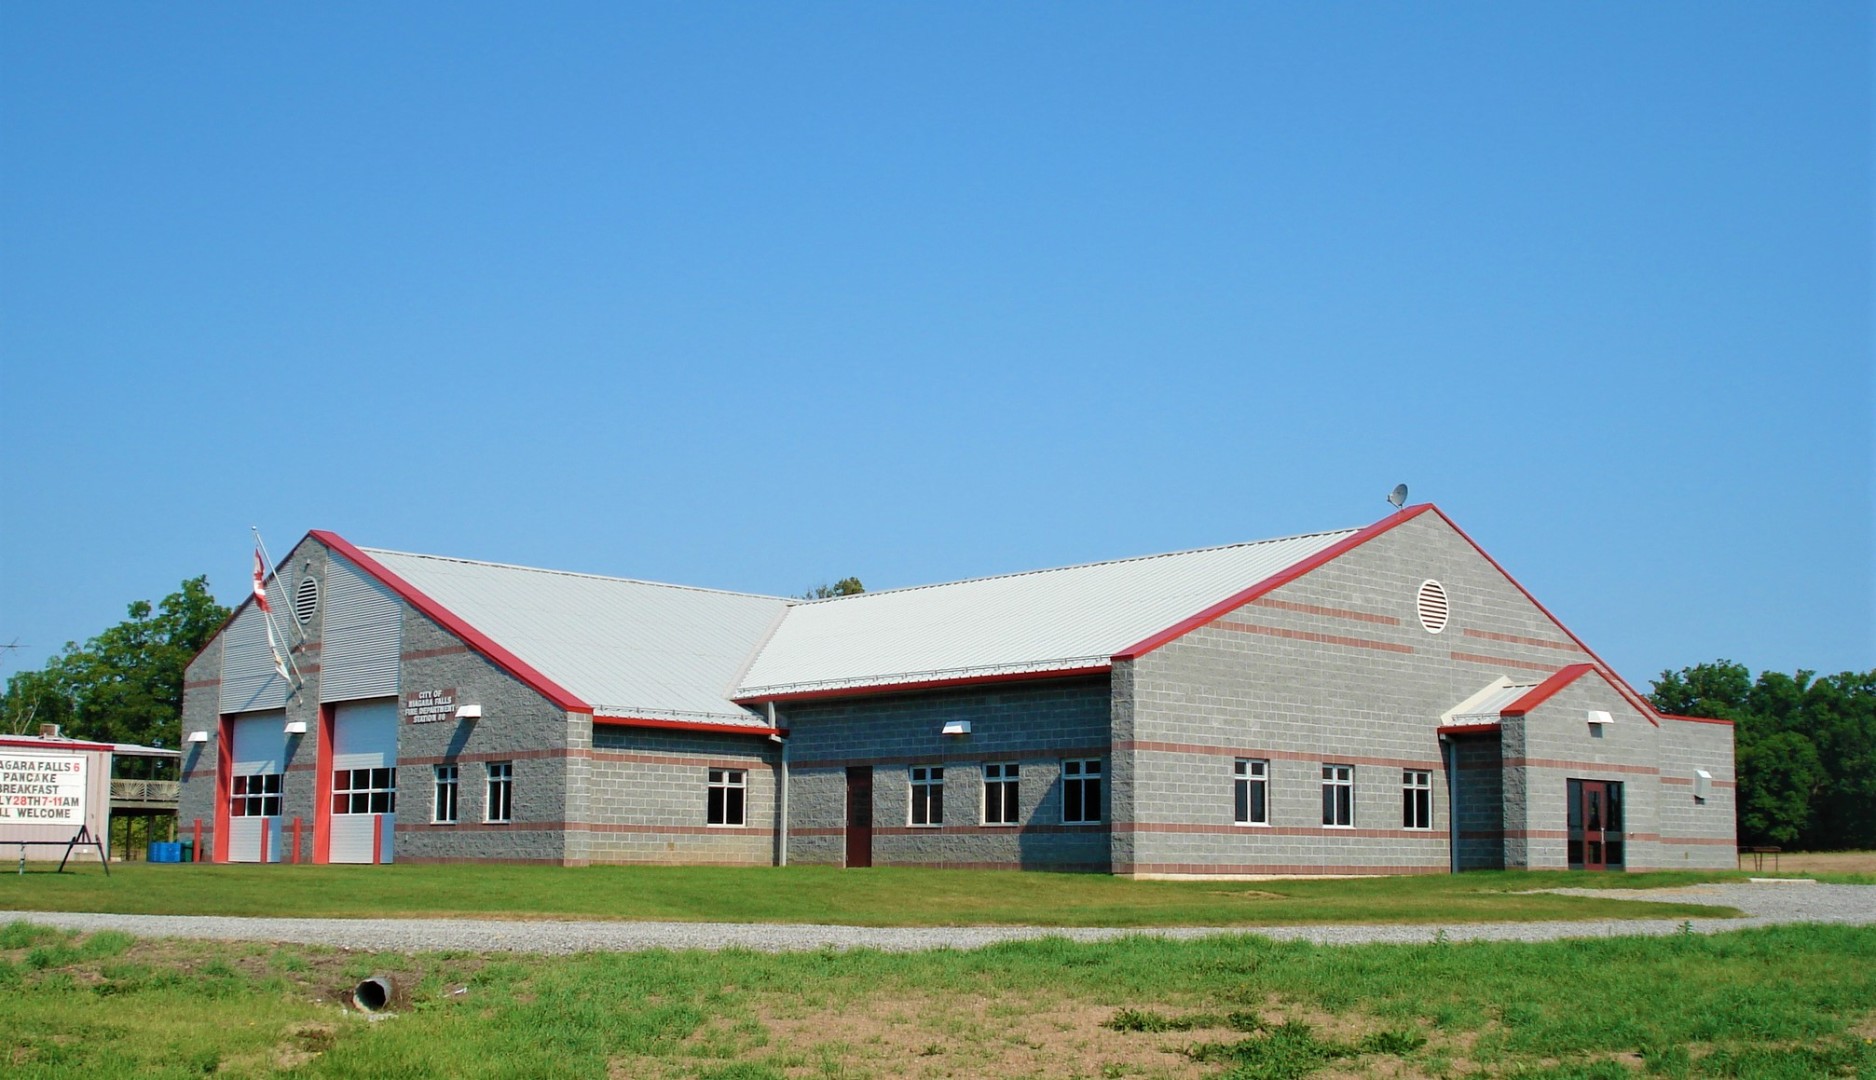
165	852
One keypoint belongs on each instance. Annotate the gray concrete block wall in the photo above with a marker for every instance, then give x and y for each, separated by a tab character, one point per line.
200	791
518	725
649	793
1558	744
1035	724
1331	668
1697	834
1480	797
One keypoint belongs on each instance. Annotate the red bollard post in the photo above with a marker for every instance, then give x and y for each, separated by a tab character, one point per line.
296	841
198	841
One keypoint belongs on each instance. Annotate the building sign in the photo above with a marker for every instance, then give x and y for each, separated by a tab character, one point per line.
429	706
42	789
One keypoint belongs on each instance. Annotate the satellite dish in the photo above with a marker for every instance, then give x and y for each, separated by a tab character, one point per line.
1398	496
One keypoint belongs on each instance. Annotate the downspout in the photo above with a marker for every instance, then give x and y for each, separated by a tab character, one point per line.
781	796
1450	751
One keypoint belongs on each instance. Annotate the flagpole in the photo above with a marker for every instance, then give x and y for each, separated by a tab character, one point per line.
274	571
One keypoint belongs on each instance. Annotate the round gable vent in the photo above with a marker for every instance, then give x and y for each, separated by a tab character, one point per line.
306	600
1431	603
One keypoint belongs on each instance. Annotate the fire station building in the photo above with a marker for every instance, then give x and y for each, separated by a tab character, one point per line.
1376	700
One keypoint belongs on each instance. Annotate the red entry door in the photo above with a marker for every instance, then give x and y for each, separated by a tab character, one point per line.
860	816
1595	824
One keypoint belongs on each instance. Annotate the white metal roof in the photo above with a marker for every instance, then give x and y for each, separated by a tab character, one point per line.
628	648
1044	620
1487	706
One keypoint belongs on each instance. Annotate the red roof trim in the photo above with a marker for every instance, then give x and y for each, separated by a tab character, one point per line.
1696	719
61	744
681	725
1547	689
931	684
1470	729
1281	578
1621	687
450	621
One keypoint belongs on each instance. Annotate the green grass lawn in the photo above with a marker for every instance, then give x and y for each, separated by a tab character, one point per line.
813	894
1795	1001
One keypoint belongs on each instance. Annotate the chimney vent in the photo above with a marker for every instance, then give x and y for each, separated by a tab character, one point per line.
48	731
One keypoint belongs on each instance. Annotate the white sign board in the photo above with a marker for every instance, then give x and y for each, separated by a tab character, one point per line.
42	789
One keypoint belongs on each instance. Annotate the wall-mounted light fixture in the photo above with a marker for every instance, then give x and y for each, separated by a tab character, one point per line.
1597	716
957	727
197	737
297	727
468	712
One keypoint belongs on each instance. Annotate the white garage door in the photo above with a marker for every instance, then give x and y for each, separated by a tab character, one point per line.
256	787
364	781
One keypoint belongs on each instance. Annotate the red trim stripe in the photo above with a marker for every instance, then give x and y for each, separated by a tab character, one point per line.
1282	577
681	725
1547	689
449	620
1310	635
882	689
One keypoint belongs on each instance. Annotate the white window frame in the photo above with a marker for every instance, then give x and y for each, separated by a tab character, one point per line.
446	804
928	795
1416	799
253	794
1003	791
377	788
1248	775
1338	796
719	784
498	808
1082	773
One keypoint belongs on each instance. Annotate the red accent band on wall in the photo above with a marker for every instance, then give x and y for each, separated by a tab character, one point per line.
1326	612
1283	577
1519	639
1308	635
1499	661
449	620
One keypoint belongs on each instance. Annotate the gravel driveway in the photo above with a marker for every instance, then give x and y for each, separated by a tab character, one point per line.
1764	904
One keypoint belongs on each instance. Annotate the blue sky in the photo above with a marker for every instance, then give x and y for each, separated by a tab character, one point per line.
759	295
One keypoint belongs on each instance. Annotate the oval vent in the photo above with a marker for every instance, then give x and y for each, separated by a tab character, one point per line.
1431	603
306	600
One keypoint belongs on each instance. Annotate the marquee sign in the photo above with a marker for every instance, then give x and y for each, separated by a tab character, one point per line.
42	789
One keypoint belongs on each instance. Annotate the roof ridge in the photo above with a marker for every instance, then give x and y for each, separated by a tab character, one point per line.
1080	566
575	574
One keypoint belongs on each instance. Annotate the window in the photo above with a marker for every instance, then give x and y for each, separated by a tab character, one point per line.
727	787
257	795
445	811
364	791
1001	781
1253	792
928	795
1416	799
1081	791
501	807
1338	795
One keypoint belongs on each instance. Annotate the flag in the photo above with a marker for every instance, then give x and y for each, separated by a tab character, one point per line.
260	582
267	616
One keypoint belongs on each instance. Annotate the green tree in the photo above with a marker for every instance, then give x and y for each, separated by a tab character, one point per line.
1805	747
847	586
124	685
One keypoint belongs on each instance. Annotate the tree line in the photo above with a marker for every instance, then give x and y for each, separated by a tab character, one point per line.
1805	750
1806	746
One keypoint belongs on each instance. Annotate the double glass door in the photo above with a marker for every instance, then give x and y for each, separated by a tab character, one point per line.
1595	825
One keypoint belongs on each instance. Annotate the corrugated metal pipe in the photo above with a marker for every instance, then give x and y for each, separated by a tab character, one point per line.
374	993
781	795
